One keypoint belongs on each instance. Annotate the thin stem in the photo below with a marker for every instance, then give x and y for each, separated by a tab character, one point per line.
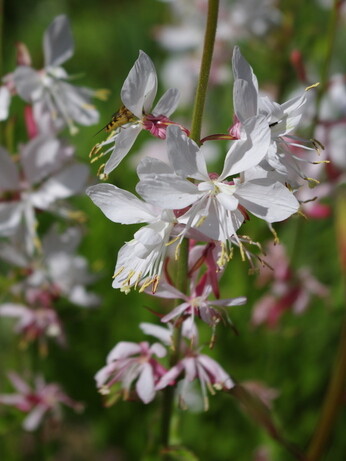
334	396
325	70
209	40
182	264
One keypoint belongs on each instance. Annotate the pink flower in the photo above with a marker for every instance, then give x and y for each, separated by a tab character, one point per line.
37	401
289	289
197	366
128	362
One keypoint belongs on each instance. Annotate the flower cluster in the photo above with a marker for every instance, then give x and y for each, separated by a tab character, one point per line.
179	198
36	182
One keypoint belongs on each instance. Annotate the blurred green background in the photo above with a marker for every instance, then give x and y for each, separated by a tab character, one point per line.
295	358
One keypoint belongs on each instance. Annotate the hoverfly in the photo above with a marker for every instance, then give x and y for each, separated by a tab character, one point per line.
119	118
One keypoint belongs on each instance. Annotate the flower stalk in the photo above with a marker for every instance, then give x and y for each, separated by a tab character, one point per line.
182	263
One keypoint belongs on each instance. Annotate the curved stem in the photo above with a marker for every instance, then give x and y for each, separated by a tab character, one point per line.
182	264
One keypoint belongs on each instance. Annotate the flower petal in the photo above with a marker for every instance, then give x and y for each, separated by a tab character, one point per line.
123	143
267	200
167	103
58	42
140	86
120	205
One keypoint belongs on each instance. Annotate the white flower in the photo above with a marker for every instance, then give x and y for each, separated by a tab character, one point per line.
139	261
50	87
138	94
45	179
281	118
218	206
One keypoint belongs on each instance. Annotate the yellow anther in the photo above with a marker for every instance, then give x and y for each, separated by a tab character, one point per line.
102	94
314	85
118	272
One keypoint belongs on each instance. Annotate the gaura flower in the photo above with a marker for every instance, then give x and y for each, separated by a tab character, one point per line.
46	178
137	94
128	362
217	205
66	103
37	401
140	260
281	118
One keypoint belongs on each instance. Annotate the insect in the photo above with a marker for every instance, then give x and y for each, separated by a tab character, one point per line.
122	116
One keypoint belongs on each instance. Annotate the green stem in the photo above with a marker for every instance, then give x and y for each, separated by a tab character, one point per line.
182	264
325	70
209	39
335	393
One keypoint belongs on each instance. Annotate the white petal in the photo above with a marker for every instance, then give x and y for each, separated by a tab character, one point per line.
184	155
242	69
145	384
58	42
161	333
5	99
268	200
123	350
167	103
10	216
33	420
245	99
168	191
152	166
28	83
140	86
123	143
119	205
66	183
9	176
248	152
228	201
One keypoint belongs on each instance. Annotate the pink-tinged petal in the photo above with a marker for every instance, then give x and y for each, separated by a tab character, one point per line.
161	333
248	152
268	200
190	368
16	400
140	86
175	312
158	349
58	43
119	205
145	384
19	384
34	418
13	310
123	350
184	155
216	371
167	103
229	301
9	176
168	191
165	290
123	143
169	377
104	373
